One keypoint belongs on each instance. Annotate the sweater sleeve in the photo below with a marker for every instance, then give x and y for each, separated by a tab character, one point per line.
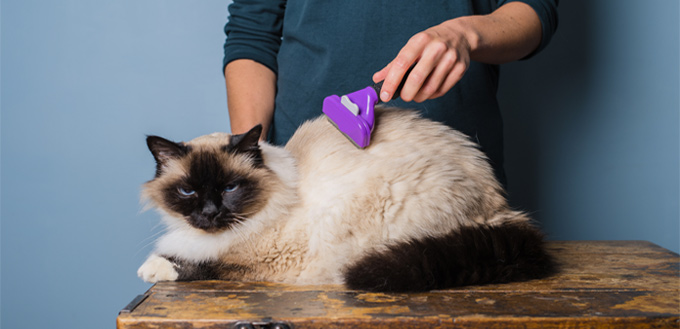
253	31
547	14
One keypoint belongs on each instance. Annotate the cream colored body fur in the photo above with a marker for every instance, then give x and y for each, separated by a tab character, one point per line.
330	202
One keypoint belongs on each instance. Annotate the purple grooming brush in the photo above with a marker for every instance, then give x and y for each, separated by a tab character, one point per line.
353	114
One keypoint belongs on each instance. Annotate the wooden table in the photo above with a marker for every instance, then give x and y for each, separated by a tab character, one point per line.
602	284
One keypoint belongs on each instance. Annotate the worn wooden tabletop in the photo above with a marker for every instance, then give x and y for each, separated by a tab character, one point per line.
601	284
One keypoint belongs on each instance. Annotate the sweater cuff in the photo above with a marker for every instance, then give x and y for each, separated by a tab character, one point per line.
547	14
231	55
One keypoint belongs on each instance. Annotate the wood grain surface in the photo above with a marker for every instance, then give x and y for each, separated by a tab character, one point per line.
601	284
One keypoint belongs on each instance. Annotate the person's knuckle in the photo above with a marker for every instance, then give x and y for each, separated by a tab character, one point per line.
417	76
422	37
448	60
401	63
438	47
428	90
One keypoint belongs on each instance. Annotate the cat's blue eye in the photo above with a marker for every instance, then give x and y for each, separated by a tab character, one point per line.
186	192
231	188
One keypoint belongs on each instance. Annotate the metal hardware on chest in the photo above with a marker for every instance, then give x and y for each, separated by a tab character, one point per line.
262	325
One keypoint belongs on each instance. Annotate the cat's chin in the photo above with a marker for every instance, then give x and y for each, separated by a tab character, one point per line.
213	226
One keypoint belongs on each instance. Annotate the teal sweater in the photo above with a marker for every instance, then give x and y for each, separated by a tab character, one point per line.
324	47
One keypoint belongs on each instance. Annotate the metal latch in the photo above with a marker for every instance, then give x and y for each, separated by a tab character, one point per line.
265	324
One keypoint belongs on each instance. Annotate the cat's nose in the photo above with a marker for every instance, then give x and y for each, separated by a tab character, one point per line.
209	208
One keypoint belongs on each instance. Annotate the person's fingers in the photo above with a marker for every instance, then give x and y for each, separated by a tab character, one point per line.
435	80
429	60
380	75
455	75
408	55
438	58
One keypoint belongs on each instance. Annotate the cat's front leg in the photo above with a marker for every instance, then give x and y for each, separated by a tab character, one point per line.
157	268
170	268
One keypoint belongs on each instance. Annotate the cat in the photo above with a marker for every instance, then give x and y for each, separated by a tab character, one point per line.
419	209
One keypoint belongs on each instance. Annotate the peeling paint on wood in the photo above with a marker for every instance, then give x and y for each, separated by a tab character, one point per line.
602	284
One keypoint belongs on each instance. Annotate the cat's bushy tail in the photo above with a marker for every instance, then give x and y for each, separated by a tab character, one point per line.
484	254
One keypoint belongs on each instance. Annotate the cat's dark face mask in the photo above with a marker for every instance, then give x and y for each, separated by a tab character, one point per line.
210	196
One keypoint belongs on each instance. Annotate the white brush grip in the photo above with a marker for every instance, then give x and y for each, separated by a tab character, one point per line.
349	105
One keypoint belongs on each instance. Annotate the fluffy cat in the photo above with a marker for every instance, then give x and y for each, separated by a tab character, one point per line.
419	209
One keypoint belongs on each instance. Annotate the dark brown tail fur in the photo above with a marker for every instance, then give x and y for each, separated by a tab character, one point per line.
466	256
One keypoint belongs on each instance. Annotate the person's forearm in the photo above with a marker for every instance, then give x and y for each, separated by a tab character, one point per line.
510	33
251	89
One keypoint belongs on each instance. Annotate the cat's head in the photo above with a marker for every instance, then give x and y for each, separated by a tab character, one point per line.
212	182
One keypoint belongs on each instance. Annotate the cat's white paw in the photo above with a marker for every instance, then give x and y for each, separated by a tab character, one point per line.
157	268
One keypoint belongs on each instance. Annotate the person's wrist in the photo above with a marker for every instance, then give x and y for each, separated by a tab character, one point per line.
466	27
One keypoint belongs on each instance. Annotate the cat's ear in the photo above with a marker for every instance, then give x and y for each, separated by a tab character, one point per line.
247	143
164	150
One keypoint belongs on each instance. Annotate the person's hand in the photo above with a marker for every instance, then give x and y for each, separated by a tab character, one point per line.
441	54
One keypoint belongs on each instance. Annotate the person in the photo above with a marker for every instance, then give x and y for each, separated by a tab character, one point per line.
281	58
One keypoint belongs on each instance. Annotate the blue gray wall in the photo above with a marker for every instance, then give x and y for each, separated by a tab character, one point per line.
83	82
591	126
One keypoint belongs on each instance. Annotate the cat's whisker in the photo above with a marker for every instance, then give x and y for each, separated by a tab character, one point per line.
158	224
241	220
238	227
243	237
153	236
151	240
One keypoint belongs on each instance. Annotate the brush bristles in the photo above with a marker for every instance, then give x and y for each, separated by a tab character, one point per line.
340	130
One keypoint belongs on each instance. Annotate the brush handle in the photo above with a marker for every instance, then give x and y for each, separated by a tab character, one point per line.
378	86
